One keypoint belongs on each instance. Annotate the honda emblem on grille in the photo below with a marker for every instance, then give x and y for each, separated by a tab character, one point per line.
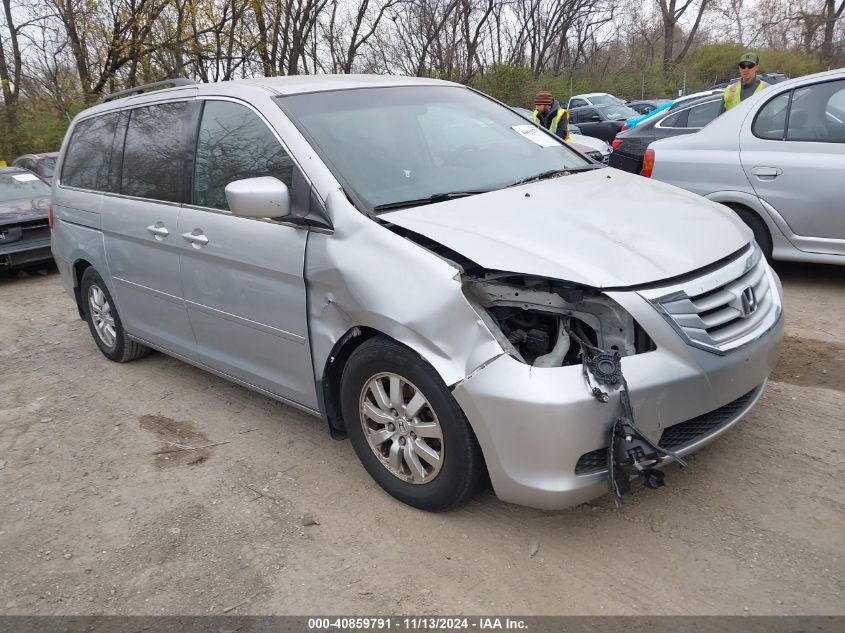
2	236
749	301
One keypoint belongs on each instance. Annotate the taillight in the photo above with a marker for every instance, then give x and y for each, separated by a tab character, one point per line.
648	163
615	144
50	217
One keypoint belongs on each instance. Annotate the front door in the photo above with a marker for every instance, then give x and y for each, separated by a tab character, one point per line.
243	277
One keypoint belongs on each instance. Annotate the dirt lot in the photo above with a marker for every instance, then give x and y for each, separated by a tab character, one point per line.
97	518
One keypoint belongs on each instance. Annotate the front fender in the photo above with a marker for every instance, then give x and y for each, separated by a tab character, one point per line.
365	275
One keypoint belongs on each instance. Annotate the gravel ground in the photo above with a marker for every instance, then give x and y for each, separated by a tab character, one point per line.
99	515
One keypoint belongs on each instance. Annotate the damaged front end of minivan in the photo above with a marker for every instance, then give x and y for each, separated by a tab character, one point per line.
551	324
571	388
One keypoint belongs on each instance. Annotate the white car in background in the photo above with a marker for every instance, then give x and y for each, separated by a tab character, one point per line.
777	160
593	98
592	147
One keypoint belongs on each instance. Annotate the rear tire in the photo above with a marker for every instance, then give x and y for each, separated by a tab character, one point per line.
407	429
758	227
101	315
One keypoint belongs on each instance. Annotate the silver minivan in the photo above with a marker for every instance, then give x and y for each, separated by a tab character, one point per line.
457	291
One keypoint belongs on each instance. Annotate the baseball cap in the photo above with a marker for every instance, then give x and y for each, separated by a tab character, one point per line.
750	58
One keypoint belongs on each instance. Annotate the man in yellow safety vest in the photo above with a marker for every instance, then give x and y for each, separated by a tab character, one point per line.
549	115
748	83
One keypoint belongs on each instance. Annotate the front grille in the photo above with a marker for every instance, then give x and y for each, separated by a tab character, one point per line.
724	308
683	434
678	436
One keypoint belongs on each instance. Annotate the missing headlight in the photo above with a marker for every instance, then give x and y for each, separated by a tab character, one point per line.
538	318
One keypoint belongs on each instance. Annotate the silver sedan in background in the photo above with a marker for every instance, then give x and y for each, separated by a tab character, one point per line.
777	160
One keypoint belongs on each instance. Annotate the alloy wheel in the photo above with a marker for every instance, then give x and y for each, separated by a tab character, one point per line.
101	315
401	428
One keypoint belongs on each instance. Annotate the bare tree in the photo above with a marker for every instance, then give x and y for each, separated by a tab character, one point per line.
830	14
348	28
673	12
11	70
281	31
415	32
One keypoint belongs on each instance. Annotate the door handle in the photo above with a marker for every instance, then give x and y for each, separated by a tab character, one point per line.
766	173
158	230
196	238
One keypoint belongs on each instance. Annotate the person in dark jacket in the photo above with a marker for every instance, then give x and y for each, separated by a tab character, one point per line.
550	116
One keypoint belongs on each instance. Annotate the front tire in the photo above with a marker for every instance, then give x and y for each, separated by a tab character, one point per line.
101	315
407	429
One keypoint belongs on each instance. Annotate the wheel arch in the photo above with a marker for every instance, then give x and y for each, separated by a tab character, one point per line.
328	386
79	268
749	202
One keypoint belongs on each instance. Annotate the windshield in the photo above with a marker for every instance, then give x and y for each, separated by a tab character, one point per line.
22	185
409	143
606	100
617	113
46	167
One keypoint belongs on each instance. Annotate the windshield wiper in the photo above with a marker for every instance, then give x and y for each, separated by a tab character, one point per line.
433	198
554	172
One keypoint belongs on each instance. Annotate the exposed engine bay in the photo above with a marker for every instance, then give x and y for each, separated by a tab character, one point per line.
553	324
541	320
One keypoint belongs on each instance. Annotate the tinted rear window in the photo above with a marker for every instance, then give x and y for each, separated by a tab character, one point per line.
86	162
155	152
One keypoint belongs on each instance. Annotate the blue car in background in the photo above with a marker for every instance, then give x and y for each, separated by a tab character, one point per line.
636	120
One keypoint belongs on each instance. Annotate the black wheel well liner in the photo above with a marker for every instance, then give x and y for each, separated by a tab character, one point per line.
328	387
79	268
739	208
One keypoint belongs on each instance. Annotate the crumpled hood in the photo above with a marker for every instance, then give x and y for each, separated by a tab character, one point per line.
14	211
604	229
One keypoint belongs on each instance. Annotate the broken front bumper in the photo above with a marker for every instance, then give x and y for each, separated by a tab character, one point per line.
544	436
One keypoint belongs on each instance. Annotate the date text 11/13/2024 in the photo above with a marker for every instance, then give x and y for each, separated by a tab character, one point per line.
416	623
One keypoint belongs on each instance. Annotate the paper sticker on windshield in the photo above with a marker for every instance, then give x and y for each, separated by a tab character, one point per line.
25	177
535	135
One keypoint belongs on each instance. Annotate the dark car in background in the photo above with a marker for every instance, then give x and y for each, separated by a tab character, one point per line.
40	164
644	106
629	146
601	121
24	223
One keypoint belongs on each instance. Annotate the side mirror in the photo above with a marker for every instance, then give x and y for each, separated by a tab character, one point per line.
263	197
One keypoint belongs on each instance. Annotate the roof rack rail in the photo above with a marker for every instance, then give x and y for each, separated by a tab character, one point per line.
158	85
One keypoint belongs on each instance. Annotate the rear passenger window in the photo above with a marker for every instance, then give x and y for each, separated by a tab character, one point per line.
701	115
234	143
86	161
679	119
155	151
